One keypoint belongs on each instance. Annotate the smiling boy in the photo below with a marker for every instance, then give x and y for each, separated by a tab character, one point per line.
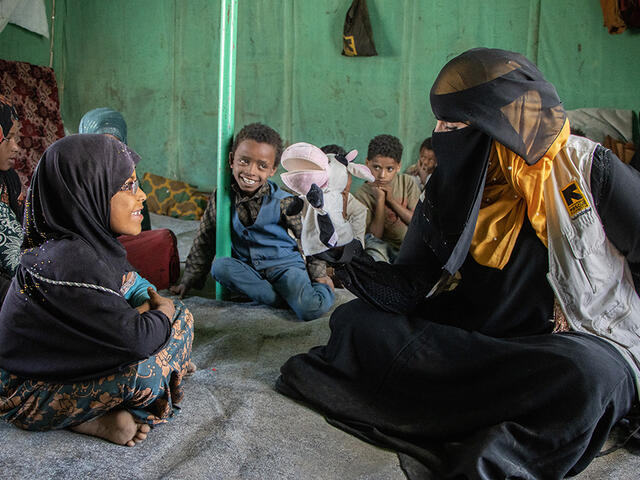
266	264
390	199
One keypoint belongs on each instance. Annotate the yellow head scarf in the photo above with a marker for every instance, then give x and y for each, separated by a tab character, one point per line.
512	189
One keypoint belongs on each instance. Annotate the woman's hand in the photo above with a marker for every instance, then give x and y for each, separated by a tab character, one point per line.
157	302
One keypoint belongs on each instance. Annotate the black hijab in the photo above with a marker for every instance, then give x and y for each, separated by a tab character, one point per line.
503	97
64	317
9	180
70	197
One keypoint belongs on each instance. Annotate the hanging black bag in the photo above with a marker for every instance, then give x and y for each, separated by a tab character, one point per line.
357	37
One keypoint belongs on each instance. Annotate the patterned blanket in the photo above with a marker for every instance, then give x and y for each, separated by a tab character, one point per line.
34	93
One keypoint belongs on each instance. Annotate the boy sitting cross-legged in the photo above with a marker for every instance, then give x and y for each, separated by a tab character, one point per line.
266	264
390	199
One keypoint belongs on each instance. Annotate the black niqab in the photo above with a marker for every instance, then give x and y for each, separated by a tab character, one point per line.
503	97
452	200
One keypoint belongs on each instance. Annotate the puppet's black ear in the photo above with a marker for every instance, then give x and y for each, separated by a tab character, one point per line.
295	207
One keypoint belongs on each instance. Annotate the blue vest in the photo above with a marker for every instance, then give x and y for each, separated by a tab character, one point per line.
264	244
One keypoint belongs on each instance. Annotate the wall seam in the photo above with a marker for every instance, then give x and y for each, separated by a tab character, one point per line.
288	73
533	38
173	162
406	56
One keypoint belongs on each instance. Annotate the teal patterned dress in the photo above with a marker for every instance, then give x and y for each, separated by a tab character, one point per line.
150	389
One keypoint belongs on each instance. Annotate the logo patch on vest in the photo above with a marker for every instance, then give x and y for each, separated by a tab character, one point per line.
574	200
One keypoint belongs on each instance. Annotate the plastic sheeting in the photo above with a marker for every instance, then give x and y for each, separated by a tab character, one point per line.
29	14
597	123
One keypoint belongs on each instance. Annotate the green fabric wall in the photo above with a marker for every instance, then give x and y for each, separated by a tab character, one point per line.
157	62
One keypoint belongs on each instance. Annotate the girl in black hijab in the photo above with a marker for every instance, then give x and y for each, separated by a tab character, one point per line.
450	356
84	342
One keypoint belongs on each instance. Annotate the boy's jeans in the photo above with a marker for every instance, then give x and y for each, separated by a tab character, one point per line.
275	286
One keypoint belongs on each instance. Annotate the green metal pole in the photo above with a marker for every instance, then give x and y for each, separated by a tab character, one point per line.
226	100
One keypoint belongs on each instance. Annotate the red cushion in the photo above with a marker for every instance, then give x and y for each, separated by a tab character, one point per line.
154	254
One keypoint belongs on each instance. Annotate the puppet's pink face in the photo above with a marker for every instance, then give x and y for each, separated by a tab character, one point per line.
301	181
306	164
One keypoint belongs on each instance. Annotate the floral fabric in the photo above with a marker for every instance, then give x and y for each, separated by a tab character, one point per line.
150	389
10	240
34	93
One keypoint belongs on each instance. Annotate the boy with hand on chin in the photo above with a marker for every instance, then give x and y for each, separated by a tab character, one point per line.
266	264
390	200
422	170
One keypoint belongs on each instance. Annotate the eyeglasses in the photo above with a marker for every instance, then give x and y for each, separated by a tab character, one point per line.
132	187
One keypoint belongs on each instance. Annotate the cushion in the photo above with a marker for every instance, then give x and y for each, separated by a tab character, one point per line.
173	198
154	254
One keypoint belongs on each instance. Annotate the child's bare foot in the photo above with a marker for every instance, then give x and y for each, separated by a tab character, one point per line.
191	369
117	426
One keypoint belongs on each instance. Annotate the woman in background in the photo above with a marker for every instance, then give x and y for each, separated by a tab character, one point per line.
10	195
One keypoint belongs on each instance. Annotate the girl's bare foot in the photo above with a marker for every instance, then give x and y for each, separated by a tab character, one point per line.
117	426
191	369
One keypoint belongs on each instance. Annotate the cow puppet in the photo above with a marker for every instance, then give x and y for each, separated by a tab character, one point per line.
319	179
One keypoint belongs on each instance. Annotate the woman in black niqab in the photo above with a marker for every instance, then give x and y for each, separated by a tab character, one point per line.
67	320
448	356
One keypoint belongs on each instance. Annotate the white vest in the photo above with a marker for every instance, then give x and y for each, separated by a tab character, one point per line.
589	276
